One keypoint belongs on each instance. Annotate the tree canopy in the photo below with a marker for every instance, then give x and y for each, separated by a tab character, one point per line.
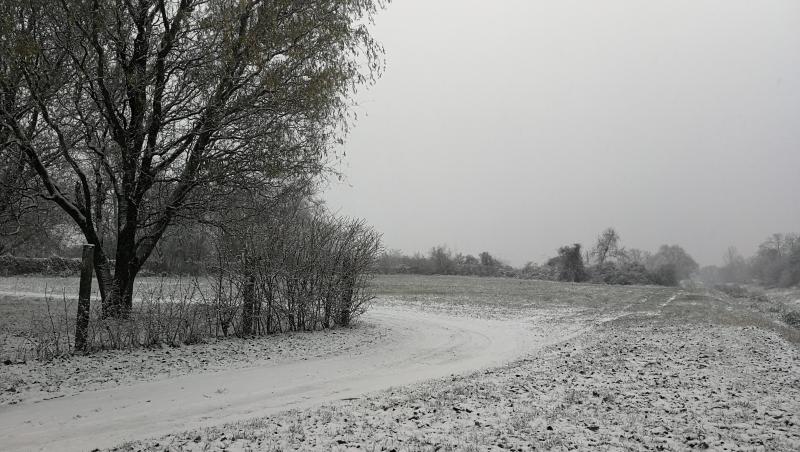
136	114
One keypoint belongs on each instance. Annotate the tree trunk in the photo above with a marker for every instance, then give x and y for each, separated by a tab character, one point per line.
118	302
326	320
84	300
117	290
270	295
346	303
248	305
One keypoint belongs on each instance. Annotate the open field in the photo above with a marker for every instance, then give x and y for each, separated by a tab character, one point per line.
637	384
58	288
518	365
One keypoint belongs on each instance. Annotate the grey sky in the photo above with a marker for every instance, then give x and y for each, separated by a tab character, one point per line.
520	126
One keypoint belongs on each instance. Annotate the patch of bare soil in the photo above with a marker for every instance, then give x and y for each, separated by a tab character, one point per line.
637	383
34	380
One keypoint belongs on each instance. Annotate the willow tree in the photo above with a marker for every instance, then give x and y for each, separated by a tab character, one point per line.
135	114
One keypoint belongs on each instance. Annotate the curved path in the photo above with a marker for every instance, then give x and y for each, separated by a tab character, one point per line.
422	346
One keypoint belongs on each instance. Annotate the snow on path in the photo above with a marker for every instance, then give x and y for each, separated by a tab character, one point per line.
424	346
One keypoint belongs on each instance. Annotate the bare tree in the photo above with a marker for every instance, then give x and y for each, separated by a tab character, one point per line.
27	227
297	269
441	259
135	114
607	245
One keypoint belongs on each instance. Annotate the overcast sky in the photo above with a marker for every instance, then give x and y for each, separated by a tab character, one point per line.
518	126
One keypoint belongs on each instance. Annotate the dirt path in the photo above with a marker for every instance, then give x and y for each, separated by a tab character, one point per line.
424	346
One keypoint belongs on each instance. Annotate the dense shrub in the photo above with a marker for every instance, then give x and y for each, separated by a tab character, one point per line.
186	251
625	273
670	265
775	264
300	273
285	274
665	275
440	260
51	266
569	264
532	270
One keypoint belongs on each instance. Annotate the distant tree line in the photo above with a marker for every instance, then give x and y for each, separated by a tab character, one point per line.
440	260
776	263
608	262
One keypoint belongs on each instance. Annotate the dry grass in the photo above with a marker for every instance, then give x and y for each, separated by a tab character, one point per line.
38	317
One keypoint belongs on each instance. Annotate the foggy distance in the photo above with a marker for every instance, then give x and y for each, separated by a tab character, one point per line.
525	125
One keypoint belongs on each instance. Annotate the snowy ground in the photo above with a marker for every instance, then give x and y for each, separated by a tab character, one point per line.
657	380
34	381
415	346
627	385
443	364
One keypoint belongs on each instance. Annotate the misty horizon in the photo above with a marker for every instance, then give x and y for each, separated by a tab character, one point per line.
529	126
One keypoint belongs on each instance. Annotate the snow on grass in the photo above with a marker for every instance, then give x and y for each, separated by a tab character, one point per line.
35	380
636	383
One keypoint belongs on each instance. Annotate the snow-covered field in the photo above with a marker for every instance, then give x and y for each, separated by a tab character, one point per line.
441	364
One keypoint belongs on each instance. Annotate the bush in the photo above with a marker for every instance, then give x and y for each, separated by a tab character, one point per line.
624	274
540	272
665	275
50	266
296	274
569	264
671	264
777	262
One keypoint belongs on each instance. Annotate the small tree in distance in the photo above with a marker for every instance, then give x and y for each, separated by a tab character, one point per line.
487	260
671	264
607	246
442	260
569	263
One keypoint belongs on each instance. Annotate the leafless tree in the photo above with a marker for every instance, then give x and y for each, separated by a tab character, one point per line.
607	245
297	269
136	114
